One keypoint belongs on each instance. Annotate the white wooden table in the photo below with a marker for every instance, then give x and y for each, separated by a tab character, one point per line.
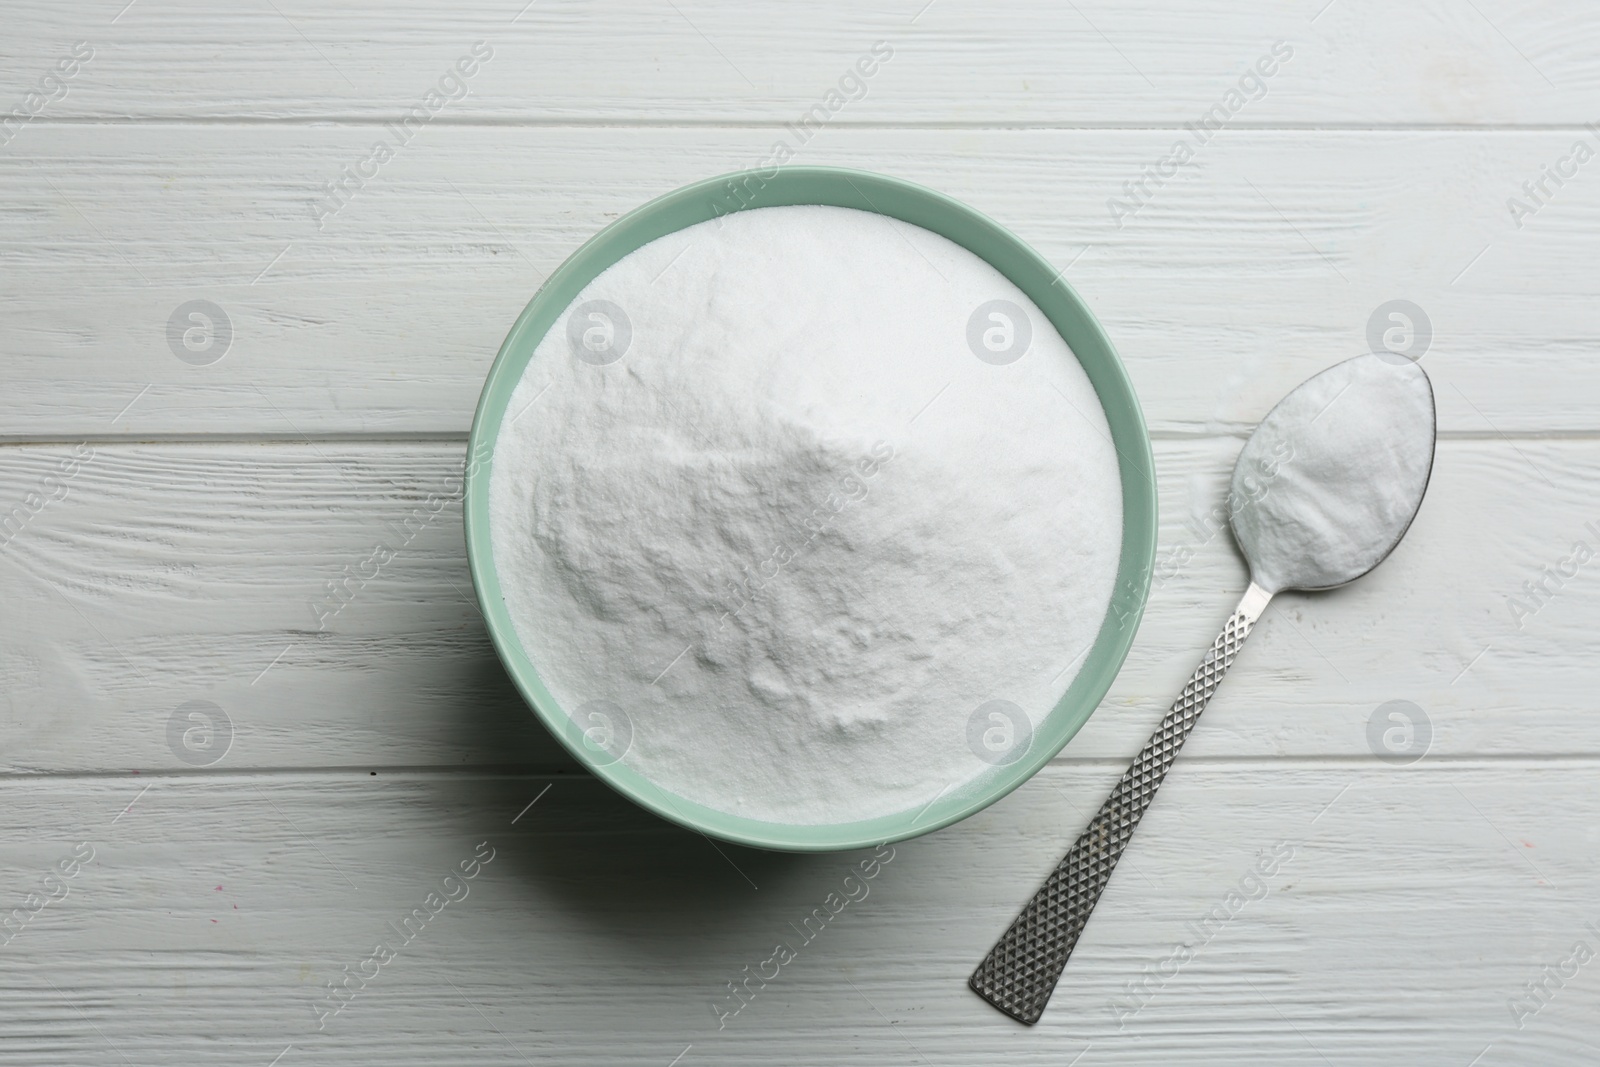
181	518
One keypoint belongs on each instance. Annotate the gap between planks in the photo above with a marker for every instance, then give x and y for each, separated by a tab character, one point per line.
460	437
1428	765
379	122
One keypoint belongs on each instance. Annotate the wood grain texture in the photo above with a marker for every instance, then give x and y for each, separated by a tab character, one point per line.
1412	905
171	573
1150	62
1228	288
1421	904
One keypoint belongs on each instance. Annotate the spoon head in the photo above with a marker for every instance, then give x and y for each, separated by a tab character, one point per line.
1331	479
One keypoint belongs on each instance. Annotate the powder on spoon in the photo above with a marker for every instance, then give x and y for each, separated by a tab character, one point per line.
783	500
1330	479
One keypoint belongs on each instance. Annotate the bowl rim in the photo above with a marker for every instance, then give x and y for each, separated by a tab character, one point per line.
908	202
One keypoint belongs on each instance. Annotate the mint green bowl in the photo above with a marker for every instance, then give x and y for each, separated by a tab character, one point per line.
1030	272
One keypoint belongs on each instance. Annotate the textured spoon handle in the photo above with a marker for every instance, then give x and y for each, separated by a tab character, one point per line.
1022	969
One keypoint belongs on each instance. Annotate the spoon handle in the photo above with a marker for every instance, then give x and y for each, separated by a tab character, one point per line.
1022	969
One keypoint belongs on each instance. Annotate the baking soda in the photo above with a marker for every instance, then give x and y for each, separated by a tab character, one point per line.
1331	478
806	515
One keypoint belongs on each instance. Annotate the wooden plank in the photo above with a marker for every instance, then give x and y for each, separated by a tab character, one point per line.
182	572
1404	912
1229	287
1153	61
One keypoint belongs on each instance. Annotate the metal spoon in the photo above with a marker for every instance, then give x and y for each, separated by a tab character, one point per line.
1322	492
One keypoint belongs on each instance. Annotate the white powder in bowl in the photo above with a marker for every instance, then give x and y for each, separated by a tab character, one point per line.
785	502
